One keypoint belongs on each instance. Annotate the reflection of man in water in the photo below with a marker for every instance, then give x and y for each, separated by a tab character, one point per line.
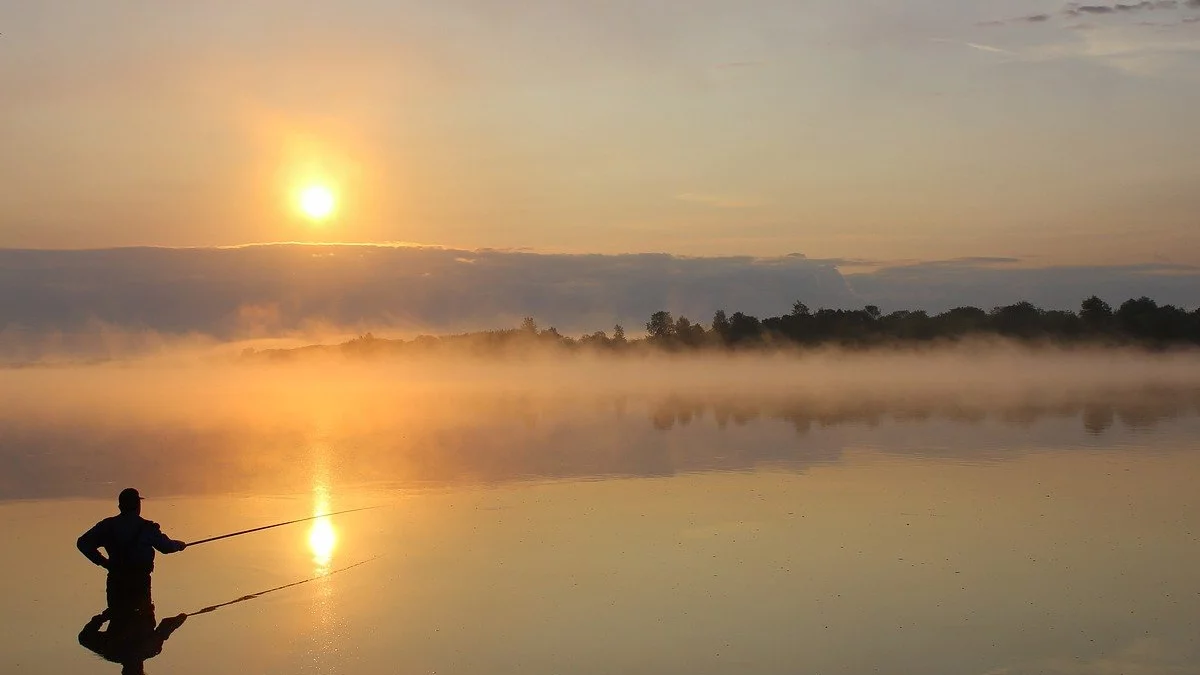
131	637
130	542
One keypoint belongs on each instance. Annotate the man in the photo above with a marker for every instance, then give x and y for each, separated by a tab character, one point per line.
130	542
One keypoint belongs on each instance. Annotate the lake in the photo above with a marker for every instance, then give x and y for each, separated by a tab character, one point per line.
624	519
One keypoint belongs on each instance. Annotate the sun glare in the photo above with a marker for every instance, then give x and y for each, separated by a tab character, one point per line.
321	540
317	202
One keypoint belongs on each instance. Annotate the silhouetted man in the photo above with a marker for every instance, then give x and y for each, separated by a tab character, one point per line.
130	542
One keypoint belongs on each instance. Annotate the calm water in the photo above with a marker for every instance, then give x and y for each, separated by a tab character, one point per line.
668	533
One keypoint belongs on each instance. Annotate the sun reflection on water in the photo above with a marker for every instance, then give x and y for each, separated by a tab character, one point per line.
322	542
322	539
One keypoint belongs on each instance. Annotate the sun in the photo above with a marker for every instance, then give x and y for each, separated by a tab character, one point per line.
317	202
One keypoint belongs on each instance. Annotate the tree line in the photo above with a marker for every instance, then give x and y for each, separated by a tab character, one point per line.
1140	321
1136	321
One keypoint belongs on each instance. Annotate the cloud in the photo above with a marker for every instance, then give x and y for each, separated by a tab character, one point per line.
1091	9
1131	49
130	297
1031	18
1139	48
987	48
246	292
990	282
968	262
1145	5
1078	10
975	45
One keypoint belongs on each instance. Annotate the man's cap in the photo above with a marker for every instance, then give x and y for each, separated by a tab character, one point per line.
129	496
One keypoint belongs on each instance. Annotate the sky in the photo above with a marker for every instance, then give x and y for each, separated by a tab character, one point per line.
880	130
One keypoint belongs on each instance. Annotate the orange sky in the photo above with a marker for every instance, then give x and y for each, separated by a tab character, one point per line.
929	129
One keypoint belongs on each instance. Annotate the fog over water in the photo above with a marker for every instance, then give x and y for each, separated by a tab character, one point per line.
982	509
197	424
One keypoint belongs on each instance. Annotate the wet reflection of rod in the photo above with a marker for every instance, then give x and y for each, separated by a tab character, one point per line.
259	594
267	527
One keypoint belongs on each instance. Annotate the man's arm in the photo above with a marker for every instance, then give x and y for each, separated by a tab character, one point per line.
164	544
89	544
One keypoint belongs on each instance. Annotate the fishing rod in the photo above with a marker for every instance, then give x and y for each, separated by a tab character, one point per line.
268	527
259	594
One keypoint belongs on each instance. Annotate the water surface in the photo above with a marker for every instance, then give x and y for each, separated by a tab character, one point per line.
671	532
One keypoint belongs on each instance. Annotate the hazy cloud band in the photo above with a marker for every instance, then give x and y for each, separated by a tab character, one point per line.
272	289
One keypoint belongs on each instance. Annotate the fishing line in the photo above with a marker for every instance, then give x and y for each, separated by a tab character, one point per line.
259	594
267	527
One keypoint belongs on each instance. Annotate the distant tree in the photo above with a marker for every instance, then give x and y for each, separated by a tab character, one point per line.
906	325
1136	318
687	333
1020	320
660	327
1141	320
597	339
1097	315
961	321
744	328
796	326
1172	324
1062	324
720	325
364	344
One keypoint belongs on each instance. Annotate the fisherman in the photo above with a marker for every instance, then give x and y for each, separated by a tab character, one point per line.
130	542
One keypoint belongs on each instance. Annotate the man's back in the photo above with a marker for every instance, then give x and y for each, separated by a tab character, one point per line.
129	540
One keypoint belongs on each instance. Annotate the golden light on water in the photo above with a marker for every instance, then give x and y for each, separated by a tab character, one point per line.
322	537
322	540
